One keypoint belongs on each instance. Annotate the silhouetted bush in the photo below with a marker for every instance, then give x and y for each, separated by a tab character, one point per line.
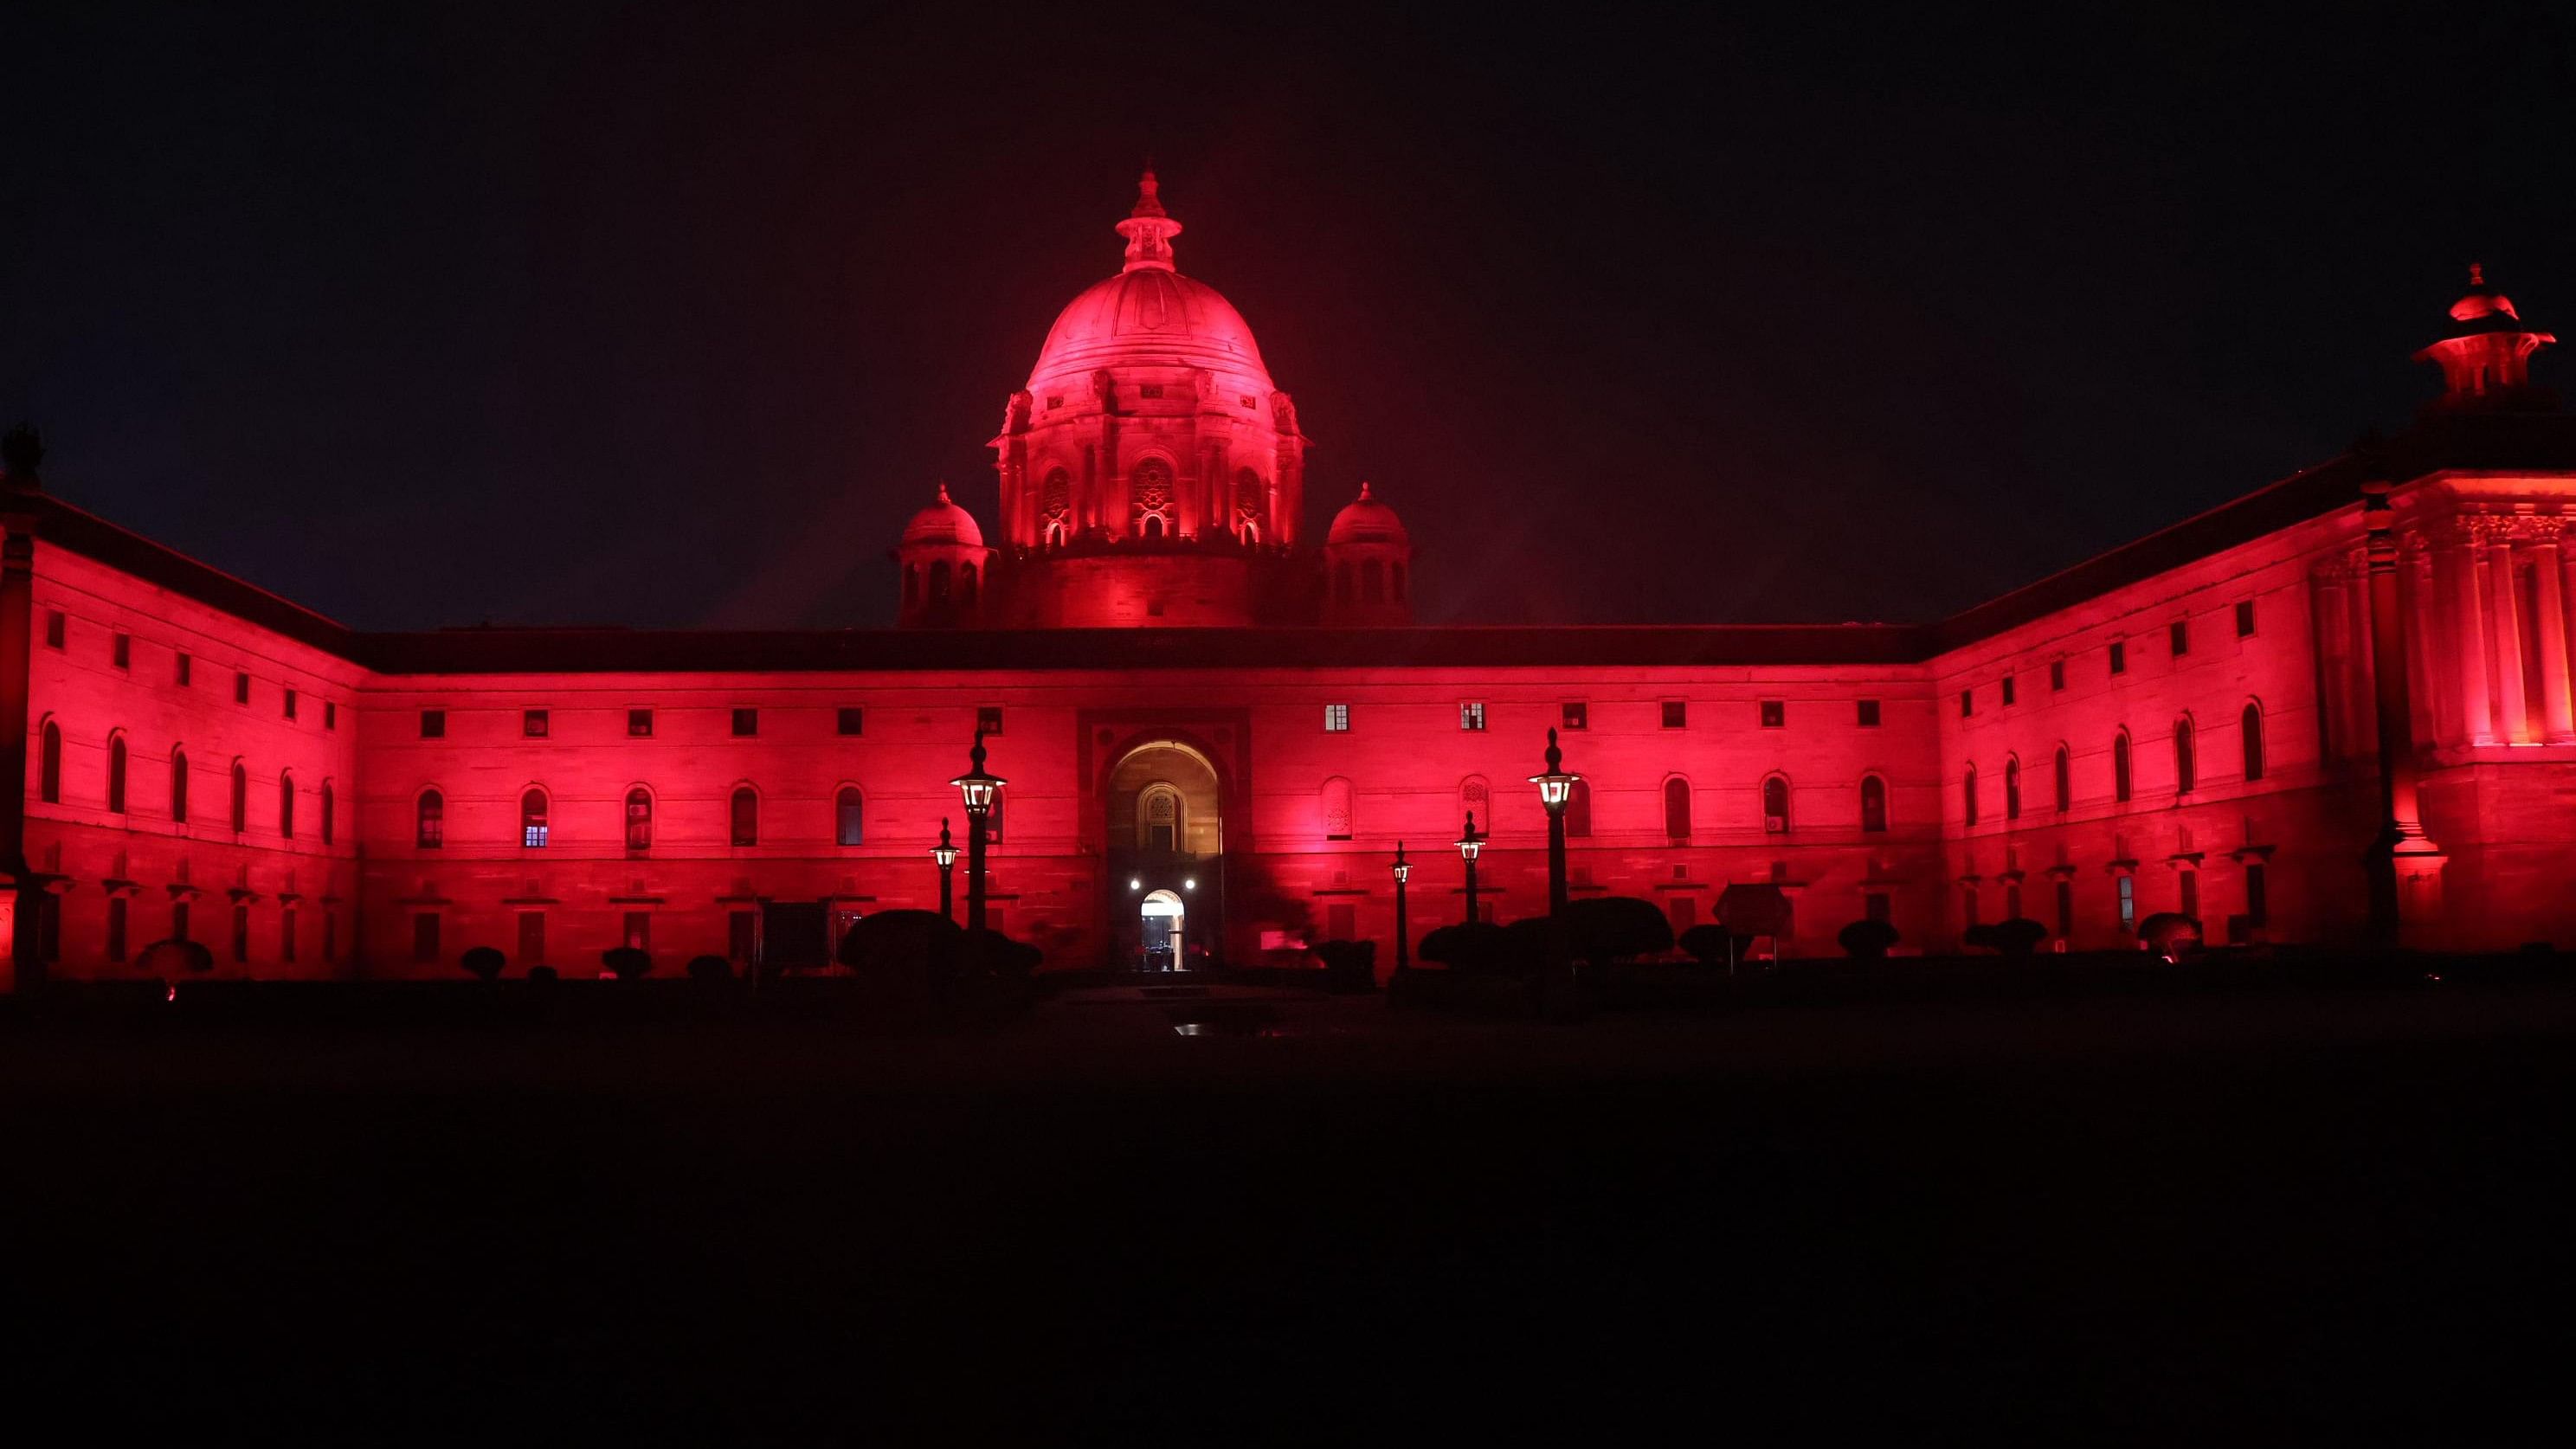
627	963
170	958
999	955
2017	937
1715	945
1614	928
541	976
1867	940
710	969
483	963
1348	965
1470	946
2170	934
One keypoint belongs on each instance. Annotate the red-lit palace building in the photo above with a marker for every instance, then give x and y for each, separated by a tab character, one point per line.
2337	704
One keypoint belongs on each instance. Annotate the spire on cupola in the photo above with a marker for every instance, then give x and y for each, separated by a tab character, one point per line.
1148	229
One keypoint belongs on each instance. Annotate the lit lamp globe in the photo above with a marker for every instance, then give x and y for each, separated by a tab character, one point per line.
1470	843
944	853
976	786
1402	867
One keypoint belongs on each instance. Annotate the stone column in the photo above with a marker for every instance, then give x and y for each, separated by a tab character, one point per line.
2558	711
2455	569
2513	703
2334	657
2415	611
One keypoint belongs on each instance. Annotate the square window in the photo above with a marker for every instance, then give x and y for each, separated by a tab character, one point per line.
2180	633
746	723
330	714
533	723
852	720
639	724
2009	692
1574	714
2057	674
122	651
2119	658
1676	714
187	670
241	687
1775	714
433	724
1337	718
2244	618
1967	703
1471	715
1869	714
287	703
54	628
988	719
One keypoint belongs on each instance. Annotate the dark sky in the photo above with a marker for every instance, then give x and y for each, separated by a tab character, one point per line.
670	316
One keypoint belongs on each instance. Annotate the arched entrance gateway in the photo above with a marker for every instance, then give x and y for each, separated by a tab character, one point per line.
1165	851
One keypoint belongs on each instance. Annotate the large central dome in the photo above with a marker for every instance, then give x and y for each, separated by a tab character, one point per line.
1149	315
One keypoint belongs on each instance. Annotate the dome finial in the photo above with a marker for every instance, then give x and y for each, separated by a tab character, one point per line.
1149	229
2477	270
943	492
1364	490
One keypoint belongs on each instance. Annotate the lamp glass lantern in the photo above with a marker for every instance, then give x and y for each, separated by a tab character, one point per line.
1403	868
977	787
944	853
1470	843
1555	786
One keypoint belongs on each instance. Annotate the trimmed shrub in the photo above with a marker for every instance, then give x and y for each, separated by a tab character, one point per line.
170	958
1348	965
627	963
2017	937
1613	928
2170	934
1476	947
541	976
1867	940
483	963
1715	945
710	969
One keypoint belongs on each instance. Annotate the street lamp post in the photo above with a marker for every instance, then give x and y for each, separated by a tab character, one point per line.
1470	845
946	855
1555	787
978	790
1403	872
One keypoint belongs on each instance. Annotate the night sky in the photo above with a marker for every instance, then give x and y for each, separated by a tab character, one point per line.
665	316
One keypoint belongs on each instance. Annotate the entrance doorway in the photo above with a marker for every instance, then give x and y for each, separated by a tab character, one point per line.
1161	918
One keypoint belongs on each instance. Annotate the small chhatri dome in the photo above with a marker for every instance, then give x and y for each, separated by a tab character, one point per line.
1365	520
2483	303
944	522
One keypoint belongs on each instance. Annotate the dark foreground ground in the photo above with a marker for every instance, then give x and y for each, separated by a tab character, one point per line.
2288	1216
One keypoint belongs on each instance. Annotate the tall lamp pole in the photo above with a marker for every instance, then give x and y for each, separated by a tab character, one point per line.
946	855
978	790
1470	845
1403	873
1555	787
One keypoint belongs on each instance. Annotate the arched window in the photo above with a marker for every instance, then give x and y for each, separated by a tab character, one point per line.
2250	725
2012	787
49	765
1341	583
329	801
993	818
1471	798
1153	526
2062	775
912	583
1336	801
532	819
938	582
1677	802
1055	509
116	773
2186	757
2120	776
1395	578
1372	582
1158	817
966	584
429	828
746	815
1578	810
1775	805
849	817
1873	803
1968	795
241	799
1149	485
639	820
286	804
178	786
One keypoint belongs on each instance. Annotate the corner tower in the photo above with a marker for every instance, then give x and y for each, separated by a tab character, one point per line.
2486	356
1151	473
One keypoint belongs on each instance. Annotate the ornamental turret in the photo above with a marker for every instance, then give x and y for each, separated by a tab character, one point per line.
2486	355
945	566
1368	565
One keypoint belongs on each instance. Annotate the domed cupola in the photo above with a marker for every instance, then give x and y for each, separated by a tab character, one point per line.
2486	355
945	566
1368	565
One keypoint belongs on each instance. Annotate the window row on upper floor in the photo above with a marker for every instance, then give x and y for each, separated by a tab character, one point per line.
1775	794
116	793
743	721
183	672
2115	654
1671	714
2186	765
538	827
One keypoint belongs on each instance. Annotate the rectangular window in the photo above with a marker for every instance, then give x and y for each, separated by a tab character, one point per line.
241	687
1967	703
1684	911
2057	674
288	703
54	628
639	930
2066	908
1676	714
2179	632
1869	714
178	920
2258	896
330	715
532	938
2191	893
742	935
433	724
1471	715
2119	658
746	723
533	723
1775	714
1337	719
2128	903
1968	904
852	720
286	935
241	934
331	937
187	671
639	724
1341	921
2009	691
1574	714
116	929
122	651
424	938
988	719
1876	907
2244	618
